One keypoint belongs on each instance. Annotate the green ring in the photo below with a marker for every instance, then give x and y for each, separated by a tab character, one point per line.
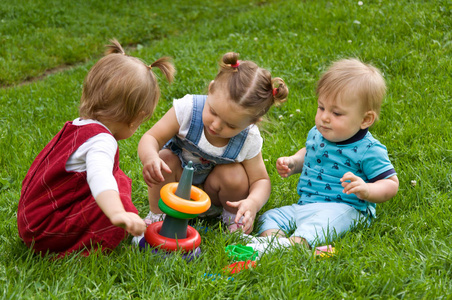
174	213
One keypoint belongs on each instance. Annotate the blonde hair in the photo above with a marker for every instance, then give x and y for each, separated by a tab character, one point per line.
249	85
353	78
122	88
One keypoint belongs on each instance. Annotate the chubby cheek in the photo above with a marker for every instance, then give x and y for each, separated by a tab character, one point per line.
206	119
317	120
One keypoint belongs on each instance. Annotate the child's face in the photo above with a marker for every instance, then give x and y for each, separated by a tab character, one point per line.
222	117
339	120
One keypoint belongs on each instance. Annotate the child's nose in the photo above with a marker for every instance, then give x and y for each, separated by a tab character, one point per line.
325	116
216	124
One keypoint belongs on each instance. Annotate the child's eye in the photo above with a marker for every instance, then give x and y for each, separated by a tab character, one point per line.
231	126
337	114
321	108
213	112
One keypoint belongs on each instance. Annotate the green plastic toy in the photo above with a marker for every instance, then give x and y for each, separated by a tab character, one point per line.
241	253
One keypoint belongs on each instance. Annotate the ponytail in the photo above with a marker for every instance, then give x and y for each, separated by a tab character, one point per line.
230	62
114	47
122	88
280	91
165	65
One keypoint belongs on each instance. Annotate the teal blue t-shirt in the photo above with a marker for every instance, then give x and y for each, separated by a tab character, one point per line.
326	162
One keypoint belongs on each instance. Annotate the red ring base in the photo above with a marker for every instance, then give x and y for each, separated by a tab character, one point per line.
153	237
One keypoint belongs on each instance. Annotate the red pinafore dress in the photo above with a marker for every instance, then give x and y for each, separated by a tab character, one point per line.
56	212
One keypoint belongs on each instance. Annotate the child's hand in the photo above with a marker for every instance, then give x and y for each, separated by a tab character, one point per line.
356	185
152	171
247	209
130	222
284	166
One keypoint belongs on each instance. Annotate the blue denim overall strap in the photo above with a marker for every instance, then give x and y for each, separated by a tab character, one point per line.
197	126
190	143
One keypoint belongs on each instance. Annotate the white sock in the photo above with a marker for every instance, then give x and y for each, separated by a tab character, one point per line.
266	244
260	239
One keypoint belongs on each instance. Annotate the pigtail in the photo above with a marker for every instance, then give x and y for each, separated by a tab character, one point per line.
280	91
230	62
114	47
166	66
164	63
252	88
122	88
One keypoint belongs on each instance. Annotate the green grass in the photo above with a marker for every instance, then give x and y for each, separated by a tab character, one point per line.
407	251
39	35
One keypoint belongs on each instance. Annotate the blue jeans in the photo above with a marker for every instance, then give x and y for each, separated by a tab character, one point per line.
317	223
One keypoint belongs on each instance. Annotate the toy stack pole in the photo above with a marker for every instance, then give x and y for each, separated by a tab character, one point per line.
173	227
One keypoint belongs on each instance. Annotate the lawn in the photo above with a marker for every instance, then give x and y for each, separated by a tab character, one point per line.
407	251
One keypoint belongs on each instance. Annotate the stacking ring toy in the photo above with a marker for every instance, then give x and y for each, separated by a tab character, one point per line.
200	204
174	213
152	236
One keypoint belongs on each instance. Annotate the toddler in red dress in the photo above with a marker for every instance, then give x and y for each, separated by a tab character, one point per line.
74	196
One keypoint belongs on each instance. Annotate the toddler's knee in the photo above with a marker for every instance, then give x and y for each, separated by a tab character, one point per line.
171	159
235	180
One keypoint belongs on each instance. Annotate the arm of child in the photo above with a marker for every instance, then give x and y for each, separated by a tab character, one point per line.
287	166
110	203
151	143
376	192
260	187
98	154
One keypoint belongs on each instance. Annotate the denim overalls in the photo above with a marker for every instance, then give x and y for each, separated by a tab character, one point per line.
190	143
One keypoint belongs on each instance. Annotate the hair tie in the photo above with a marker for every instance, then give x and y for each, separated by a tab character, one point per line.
274	92
236	65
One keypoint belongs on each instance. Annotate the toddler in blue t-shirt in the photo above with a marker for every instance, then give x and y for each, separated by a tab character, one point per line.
344	170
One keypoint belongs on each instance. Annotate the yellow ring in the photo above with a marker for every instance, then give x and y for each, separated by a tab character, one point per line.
200	203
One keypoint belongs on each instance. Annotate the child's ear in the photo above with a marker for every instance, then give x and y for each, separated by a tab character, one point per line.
210	84
369	118
257	121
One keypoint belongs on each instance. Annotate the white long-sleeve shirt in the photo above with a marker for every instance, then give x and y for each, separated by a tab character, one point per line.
96	156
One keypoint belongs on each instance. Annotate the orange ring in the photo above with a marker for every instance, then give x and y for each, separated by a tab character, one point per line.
153	237
200	203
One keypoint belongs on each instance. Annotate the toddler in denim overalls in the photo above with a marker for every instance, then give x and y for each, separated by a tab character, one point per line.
218	133
188	148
